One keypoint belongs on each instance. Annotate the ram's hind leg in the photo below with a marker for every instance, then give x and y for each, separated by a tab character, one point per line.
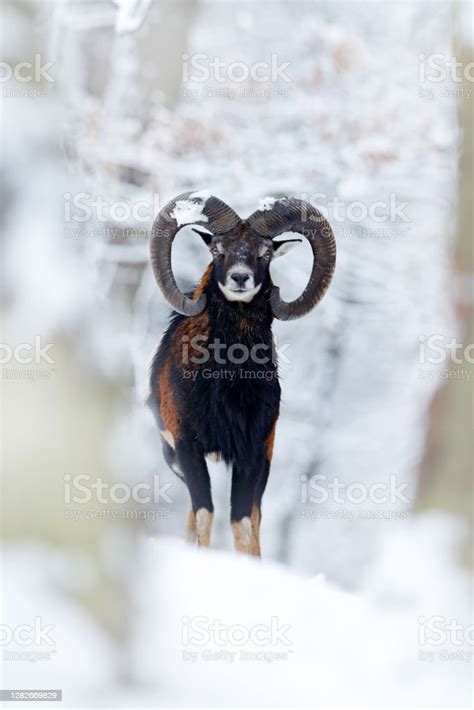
169	454
192	464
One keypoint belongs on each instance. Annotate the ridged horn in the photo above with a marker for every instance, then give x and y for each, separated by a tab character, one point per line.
188	208
293	215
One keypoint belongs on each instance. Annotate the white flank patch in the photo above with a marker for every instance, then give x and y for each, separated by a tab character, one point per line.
266	204
186	212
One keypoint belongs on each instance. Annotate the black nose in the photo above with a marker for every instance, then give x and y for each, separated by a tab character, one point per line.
239	278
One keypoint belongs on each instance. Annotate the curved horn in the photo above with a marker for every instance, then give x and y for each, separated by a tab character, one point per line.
292	215
188	208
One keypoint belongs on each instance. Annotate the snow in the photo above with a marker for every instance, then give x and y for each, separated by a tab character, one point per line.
266	204
209	627
131	15
187	212
76	654
368	637
200	195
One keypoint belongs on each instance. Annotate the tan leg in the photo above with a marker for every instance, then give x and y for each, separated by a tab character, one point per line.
243	535
255	518
191	527
203	527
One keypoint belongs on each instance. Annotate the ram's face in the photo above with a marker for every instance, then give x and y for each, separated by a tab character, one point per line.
241	265
242	261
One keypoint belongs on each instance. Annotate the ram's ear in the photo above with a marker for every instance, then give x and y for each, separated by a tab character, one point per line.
206	236
284	246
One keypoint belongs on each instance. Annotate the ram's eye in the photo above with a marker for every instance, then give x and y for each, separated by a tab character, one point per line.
264	253
217	250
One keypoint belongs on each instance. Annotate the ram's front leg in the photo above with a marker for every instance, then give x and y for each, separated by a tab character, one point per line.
256	514
261	483
194	470
242	501
246	500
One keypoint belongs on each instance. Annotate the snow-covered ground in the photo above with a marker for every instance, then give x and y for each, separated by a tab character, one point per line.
210	628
